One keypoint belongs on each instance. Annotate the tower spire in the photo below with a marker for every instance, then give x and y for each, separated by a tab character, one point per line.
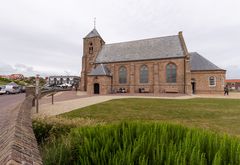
94	22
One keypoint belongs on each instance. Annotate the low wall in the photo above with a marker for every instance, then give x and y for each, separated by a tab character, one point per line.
17	142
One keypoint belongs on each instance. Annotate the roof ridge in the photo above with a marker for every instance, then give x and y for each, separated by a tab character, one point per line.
141	39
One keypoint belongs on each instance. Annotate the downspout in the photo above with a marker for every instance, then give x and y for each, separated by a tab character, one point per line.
184	75
185	51
85	72
111	84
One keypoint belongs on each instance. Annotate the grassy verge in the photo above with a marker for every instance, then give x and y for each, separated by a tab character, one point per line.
141	143
4	81
220	115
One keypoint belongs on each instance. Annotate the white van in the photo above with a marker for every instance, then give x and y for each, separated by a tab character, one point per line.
9	89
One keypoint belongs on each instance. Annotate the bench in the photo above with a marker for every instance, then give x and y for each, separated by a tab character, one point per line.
122	90
144	90
171	91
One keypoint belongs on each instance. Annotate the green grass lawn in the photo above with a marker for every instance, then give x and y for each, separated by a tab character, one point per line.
219	115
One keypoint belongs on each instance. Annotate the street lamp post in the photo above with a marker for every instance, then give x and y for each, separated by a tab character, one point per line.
37	92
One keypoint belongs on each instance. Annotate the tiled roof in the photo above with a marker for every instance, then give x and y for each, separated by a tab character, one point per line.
100	70
155	48
233	80
93	33
199	63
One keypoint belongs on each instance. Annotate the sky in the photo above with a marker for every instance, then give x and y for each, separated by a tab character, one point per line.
46	36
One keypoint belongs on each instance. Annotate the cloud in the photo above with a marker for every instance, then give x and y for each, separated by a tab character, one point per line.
6	69
23	68
48	37
233	72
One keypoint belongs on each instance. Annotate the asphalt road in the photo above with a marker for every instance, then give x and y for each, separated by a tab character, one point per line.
7	111
8	101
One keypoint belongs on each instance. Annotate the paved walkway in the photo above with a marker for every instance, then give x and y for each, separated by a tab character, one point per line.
72	100
63	96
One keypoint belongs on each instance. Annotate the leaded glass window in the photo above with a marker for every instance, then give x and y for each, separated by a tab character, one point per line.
122	75
144	74
171	72
212	81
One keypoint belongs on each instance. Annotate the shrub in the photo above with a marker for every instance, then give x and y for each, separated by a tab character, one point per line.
45	131
50	127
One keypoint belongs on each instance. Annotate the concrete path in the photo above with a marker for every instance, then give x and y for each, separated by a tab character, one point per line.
47	109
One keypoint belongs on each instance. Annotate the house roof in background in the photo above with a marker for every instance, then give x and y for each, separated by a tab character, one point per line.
233	80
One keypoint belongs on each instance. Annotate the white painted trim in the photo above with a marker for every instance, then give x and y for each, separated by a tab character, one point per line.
215	81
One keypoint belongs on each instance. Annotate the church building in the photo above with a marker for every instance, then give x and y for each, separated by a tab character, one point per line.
155	65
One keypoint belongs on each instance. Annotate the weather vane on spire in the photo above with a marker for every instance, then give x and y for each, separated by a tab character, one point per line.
94	22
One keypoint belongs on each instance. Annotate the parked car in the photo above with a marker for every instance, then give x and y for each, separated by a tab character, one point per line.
11	89
2	90
65	85
22	89
47	87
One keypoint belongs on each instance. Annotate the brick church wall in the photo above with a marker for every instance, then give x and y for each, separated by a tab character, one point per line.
104	84
202	81
156	73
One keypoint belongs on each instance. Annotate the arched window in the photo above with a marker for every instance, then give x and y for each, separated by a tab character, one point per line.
91	50
122	75
171	72
212	81
144	74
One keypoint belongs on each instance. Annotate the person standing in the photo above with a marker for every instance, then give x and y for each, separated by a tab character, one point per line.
76	86
226	90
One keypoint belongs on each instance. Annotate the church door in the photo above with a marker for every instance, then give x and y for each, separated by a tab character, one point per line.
193	82
96	88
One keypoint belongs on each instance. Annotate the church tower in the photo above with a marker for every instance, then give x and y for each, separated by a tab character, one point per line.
92	44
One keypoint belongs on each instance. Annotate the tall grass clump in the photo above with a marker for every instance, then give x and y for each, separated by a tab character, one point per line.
46	129
142	143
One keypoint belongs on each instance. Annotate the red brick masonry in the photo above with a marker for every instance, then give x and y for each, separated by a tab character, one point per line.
17	141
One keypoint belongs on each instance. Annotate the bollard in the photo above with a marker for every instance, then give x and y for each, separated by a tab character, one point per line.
52	98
